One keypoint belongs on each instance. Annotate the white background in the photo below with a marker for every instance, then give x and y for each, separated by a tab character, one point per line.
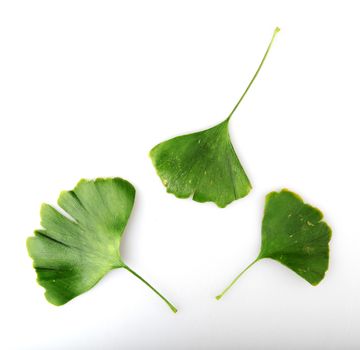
87	88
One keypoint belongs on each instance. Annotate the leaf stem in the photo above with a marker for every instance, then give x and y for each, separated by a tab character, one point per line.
218	297
171	306
277	29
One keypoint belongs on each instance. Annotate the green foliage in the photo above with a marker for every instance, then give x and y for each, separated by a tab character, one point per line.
293	234
204	165
72	253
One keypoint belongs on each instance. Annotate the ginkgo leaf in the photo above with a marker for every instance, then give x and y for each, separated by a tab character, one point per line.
71	253
204	164
293	234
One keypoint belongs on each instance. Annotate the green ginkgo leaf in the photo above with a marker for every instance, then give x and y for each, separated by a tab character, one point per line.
72	253
293	234
204	164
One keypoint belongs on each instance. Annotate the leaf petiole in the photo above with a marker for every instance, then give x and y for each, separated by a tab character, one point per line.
277	30
218	297
171	306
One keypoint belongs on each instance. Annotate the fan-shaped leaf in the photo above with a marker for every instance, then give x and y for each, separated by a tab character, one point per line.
71	254
204	164
293	234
